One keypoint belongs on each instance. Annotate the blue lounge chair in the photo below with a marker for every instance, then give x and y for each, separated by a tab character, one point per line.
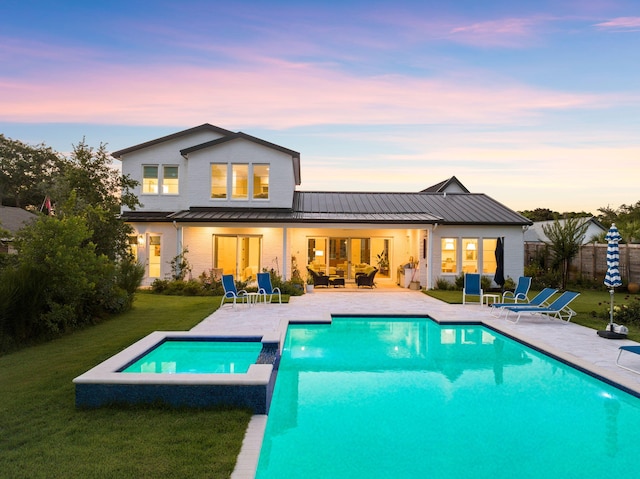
521	291
231	292
539	299
630	349
559	308
266	289
472	287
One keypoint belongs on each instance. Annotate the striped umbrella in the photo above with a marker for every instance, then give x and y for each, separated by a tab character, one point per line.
612	278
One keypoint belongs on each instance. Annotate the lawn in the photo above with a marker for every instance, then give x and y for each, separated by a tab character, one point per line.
43	435
587	305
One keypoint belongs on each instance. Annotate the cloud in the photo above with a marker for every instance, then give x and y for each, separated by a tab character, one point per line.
629	24
507	32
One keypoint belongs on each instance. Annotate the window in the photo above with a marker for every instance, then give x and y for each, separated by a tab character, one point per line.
260	181
470	255
218	180
240	181
150	180
449	255
170	180
489	255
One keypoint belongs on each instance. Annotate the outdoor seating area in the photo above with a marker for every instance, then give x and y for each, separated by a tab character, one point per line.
366	279
558	309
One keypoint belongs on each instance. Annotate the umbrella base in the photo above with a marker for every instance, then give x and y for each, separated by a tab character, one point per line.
611	335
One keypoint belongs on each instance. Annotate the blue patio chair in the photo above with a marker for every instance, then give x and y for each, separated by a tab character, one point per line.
231	292
559	308
521	291
539	299
266	289
472	287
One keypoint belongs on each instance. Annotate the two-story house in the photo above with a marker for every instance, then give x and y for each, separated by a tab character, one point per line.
232	201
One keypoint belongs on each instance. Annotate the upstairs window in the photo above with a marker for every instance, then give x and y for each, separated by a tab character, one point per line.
240	181
261	181
170	180
150	180
219	180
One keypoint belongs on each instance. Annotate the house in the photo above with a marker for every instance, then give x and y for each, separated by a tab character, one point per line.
232	201
12	219
536	234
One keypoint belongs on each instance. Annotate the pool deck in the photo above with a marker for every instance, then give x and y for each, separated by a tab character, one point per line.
570	342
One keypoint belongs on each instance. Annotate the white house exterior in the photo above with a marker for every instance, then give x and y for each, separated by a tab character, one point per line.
232	201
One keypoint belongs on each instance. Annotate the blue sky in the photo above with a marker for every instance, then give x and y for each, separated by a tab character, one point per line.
535	103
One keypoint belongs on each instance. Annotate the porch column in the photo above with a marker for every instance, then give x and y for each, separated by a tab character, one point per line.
284	253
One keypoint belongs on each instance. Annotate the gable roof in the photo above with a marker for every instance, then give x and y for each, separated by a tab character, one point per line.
226	136
452	183
360	207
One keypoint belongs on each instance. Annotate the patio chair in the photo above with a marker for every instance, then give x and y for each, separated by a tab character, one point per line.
559	308
472	287
521	291
366	279
231	292
318	279
539	299
629	349
266	289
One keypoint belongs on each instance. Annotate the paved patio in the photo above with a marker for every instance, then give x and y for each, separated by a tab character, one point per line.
571	342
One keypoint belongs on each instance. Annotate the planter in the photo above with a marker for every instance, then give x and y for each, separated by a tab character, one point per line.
633	288
415	285
309	288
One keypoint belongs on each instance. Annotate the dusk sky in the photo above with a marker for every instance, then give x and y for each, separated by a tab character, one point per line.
535	103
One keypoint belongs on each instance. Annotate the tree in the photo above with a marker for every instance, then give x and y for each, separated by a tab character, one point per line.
91	188
26	173
565	239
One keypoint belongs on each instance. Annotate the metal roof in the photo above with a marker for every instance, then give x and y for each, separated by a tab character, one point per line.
359	207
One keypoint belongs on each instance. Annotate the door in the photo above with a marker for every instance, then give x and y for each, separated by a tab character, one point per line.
155	256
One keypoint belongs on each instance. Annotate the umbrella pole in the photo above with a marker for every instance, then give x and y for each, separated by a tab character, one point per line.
611	291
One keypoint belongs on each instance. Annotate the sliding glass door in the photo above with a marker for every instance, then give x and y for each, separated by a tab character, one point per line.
238	256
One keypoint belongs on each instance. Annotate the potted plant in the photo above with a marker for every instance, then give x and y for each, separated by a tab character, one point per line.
309	284
383	262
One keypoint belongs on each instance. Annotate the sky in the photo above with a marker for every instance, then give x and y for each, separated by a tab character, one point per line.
534	102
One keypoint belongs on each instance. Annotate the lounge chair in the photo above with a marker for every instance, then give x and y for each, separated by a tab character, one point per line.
231	292
539	299
318	279
559	308
630	349
366	279
521	291
472	287
266	289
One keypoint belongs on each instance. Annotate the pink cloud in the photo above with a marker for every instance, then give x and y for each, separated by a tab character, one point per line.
507	32
621	23
275	94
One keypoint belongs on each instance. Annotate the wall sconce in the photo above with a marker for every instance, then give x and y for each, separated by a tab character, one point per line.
140	240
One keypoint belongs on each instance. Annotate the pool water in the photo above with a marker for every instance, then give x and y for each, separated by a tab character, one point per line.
408	398
198	357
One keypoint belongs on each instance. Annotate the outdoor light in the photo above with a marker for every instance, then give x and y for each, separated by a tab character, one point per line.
140	240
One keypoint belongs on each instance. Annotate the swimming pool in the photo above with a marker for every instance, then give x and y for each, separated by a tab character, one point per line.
408	398
175	356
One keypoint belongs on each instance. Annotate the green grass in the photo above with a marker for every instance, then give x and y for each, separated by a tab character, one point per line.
587	305
43	435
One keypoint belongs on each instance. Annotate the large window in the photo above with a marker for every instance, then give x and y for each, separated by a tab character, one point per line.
150	180
219	180
469	255
260	181
239	181
449	255
238	255
489	255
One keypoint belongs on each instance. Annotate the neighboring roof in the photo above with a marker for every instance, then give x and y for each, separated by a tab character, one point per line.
452	185
226	136
360	207
13	219
536	234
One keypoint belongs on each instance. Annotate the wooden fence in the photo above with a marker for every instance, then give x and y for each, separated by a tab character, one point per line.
591	262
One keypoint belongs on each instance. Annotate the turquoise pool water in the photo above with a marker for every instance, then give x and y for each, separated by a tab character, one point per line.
407	398
181	357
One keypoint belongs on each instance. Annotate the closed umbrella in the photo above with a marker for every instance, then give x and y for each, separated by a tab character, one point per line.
612	278
499	276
